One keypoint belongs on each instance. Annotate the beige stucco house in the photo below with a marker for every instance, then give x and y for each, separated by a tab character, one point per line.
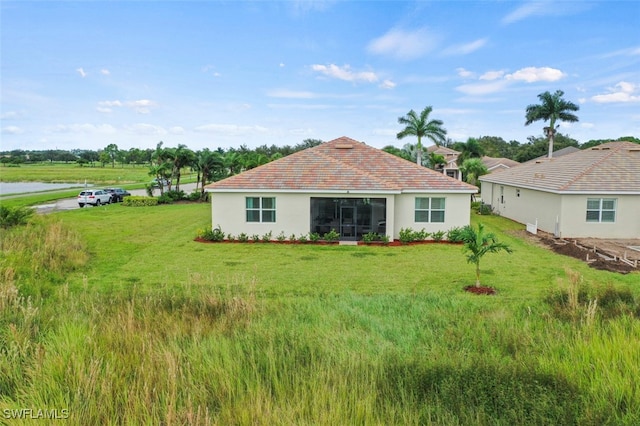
344	185
592	193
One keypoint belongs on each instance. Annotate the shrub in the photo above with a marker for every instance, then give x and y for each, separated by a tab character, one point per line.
302	238
14	216
455	234
281	237
197	196
149	188
408	235
370	237
267	237
332	236
165	199
243	238
255	238
230	237
475	205
438	236
175	195
215	234
485	209
139	201
314	237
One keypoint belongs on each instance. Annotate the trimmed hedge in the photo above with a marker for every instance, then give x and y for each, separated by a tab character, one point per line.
139	201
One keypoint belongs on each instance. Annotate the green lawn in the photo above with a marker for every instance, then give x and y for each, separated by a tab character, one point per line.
118	315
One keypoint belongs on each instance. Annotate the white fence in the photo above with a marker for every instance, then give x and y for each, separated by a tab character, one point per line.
532	228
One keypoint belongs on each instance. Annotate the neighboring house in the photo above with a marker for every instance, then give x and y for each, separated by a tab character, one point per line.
451	169
590	193
451	157
494	164
343	185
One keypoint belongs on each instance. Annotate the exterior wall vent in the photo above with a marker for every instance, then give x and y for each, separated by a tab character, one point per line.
344	146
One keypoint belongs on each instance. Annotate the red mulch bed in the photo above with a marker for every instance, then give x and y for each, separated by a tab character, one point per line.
487	291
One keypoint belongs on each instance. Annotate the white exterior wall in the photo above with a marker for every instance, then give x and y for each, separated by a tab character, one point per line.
575	225
457	212
530	206
228	211
564	215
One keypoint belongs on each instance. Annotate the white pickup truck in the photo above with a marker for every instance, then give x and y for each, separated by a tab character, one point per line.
94	197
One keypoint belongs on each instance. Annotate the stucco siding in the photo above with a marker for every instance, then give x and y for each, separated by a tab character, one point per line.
457	212
563	215
626	225
228	211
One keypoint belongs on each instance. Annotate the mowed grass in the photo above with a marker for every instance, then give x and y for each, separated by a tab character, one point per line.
155	328
74	173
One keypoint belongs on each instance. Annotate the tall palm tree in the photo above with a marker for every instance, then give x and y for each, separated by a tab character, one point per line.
420	126
553	108
477	243
470	149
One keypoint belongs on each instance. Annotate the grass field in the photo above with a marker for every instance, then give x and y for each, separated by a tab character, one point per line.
116	315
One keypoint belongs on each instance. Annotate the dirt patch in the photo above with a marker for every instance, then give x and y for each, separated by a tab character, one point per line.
487	291
583	249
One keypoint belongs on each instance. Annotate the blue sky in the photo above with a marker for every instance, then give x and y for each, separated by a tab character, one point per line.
221	74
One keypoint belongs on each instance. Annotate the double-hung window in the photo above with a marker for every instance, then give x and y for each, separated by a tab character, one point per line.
429	210
261	209
601	209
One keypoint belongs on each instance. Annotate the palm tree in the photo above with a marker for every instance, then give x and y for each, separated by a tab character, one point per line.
472	169
478	243
437	161
553	108
420	126
470	149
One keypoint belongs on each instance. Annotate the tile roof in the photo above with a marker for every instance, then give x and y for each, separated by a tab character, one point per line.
499	163
342	164
613	167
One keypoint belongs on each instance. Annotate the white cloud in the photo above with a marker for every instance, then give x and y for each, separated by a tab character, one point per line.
465	73
105	71
141	106
622	92
464	49
81	72
176	130
534	74
291	94
146	129
110	104
478	89
545	8
587	125
387	84
11	115
403	44
492	75
526	10
385	132
85	128
231	129
345	73
12	130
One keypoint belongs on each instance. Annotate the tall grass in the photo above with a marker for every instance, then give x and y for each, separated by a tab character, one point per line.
218	338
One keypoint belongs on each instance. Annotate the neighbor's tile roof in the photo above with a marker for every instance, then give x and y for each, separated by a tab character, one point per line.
610	167
340	165
492	162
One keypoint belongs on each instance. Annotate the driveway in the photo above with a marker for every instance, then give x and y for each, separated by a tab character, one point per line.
72	203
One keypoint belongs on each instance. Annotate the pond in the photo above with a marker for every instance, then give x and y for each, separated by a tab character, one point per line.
25	187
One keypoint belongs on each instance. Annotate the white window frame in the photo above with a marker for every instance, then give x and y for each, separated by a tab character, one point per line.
602	210
429	210
261	209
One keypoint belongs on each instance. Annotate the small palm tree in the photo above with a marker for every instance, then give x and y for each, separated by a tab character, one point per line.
477	243
553	108
420	126
472	169
436	161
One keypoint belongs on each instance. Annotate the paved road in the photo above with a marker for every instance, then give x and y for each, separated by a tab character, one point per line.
72	203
